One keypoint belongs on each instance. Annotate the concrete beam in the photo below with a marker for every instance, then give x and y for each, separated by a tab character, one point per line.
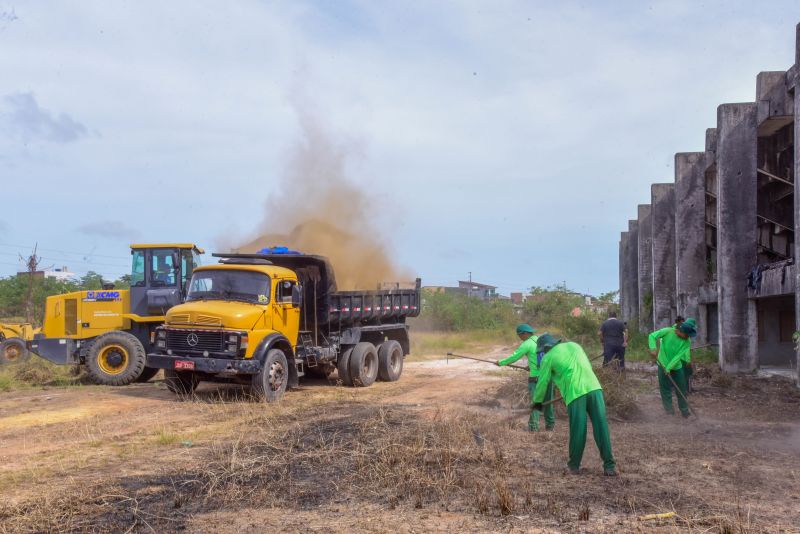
645	268
691	270
632	274
663	221
711	139
772	96
793	82
736	218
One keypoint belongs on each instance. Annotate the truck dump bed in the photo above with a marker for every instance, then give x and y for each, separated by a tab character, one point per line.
326	308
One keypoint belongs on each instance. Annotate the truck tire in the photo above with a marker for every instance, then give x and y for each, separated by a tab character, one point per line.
180	382
343	367
13	350
147	374
115	359
269	384
390	361
363	364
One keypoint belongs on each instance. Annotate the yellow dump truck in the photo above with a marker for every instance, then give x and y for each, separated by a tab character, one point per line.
109	330
266	320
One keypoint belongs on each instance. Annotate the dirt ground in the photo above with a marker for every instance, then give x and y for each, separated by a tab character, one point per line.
442	450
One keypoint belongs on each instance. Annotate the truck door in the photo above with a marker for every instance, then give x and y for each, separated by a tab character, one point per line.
287	313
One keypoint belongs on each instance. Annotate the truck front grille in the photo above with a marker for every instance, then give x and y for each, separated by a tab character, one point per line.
195	340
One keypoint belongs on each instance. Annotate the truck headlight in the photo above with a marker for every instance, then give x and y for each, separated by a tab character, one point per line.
233	338
161	333
161	344
232	347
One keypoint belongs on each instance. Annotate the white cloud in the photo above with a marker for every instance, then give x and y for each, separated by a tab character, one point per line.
22	117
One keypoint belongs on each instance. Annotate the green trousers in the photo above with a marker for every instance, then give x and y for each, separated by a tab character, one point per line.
594	405
666	387
549	410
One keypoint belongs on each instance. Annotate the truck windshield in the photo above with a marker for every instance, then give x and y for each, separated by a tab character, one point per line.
223	284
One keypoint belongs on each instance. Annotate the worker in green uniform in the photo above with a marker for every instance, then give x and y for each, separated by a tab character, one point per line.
671	348
528	348
567	365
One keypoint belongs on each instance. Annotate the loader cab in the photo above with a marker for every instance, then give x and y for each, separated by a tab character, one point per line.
160	276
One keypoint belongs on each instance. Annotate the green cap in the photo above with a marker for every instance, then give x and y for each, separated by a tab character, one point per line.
689	327
546	342
525	328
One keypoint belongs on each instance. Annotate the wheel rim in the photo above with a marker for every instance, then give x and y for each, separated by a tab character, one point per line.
395	360
369	364
12	352
113	359
277	375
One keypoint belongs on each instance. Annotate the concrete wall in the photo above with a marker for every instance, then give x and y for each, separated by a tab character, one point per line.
737	237
663	224
645	268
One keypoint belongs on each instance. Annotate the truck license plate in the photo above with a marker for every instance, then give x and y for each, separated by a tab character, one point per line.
183	364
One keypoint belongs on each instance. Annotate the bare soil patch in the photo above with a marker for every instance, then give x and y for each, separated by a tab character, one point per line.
443	449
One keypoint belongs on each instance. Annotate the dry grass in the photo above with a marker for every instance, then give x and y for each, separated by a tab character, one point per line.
37	372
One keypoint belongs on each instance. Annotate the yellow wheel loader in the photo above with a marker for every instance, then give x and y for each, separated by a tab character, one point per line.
13	341
110	330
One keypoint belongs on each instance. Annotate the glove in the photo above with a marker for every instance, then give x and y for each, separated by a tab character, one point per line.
537	406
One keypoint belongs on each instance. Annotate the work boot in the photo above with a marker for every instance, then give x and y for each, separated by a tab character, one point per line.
685	415
573	471
610	472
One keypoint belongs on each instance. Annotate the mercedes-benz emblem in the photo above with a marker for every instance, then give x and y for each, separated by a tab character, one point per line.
192	339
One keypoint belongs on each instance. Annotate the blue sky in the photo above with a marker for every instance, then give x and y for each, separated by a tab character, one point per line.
510	139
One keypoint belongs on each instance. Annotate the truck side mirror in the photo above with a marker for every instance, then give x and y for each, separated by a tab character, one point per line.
176	261
297	295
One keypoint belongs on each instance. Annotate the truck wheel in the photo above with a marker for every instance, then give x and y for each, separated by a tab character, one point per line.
115	359
343	367
180	382
364	365
390	361
147	374
13	350
270	382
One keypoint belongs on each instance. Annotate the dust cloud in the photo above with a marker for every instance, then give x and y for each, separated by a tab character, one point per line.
319	210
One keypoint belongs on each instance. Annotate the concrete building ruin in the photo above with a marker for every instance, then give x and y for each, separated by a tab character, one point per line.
719	243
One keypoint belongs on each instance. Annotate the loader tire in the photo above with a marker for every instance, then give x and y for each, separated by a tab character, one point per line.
269	384
115	359
13	350
363	365
180	382
147	374
390	361
343	367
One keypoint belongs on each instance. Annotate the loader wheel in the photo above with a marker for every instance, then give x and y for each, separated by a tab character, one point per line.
269	384
363	365
180	382
343	367
147	374
13	350
390	361
115	359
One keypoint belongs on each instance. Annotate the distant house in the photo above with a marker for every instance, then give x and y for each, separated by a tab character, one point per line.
481	291
59	273
517	299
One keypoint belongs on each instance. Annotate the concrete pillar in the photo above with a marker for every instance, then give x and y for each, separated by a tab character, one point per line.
736	219
645	268
624	297
691	269
793	81
663	225
632	269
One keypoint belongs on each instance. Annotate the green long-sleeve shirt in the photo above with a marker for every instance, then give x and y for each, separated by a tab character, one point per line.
674	349
528	347
567	365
